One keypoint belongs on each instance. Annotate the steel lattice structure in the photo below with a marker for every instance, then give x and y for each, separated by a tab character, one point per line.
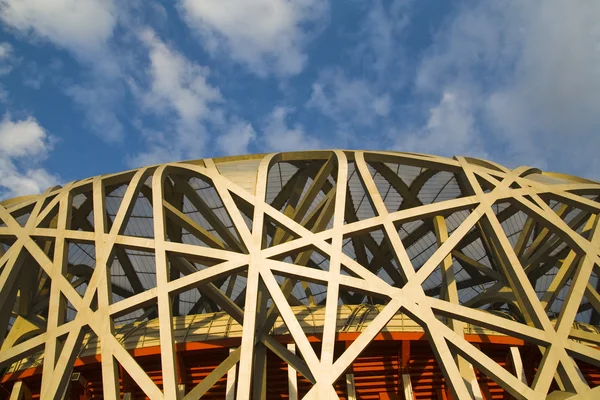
288	248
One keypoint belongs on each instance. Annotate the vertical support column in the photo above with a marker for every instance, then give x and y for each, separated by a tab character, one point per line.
181	390
259	389
350	386
77	387
405	381
55	378
442	395
325	389
182	377
451	294
292	376
517	364
405	356
165	324
230	390
128	384
407	387
254	244
20	391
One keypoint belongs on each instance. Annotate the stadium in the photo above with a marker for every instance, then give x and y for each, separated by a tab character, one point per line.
315	274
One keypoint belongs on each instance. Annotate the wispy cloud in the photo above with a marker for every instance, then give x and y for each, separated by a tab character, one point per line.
265	35
277	135
532	70
7	58
178	91
348	100
236	139
451	129
79	26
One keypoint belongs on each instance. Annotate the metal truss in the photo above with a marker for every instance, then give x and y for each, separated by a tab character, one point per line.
447	242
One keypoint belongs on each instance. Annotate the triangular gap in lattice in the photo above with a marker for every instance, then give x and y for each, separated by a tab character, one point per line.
5	243
246	210
113	199
282	178
22	214
196	213
211	293
309	256
358	201
464	281
432	186
390	185
404	186
275	233
307	294
28	301
307	195
576	215
80	264
420	236
372	250
82	209
140	221
132	271
48	217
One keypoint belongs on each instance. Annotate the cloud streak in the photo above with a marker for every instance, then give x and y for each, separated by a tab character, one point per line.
267	36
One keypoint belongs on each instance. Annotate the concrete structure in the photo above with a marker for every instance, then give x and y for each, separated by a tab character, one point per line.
323	274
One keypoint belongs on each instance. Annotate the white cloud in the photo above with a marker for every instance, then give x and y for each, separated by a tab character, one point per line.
84	28
98	105
266	35
450	130
6	58
237	139
348	100
23	145
177	84
22	138
278	136
80	26
380	49
533	69
178	90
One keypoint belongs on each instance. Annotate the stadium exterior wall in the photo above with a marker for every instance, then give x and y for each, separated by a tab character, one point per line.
316	274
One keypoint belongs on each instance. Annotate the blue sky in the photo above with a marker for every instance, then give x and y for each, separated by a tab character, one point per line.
97	86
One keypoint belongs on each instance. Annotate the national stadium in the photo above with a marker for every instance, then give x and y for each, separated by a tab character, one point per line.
304	275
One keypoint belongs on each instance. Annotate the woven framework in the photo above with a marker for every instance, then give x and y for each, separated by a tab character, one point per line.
444	241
